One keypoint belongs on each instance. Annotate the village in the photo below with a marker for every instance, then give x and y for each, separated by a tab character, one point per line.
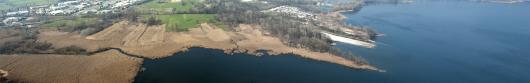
293	12
22	17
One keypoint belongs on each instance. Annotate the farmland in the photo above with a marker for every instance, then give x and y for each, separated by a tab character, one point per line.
182	22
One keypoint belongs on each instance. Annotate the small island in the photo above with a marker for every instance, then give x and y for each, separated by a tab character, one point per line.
81	41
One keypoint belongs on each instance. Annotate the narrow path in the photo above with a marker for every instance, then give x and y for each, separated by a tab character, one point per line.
100	50
117	49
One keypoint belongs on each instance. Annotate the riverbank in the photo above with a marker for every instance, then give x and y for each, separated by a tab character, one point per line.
116	53
152	42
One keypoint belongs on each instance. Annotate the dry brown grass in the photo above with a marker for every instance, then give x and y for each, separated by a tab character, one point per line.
153	42
105	67
147	41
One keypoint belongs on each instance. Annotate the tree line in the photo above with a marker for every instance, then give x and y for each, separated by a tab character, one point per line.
294	32
291	31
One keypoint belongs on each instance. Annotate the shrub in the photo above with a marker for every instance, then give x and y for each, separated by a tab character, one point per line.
153	21
70	50
27	46
88	31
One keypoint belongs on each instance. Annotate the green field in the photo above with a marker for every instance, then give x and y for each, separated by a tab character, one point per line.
178	6
6	4
62	22
182	22
155	5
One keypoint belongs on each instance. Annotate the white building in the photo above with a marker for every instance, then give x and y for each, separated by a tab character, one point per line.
52	8
67	3
247	0
17	13
39	9
11	20
104	12
57	12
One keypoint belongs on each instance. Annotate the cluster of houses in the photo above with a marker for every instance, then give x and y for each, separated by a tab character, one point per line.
66	8
72	7
293	12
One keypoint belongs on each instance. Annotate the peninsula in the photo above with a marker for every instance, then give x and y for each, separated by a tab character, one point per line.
107	40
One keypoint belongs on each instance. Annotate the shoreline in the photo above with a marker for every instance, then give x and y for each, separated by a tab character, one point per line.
152	43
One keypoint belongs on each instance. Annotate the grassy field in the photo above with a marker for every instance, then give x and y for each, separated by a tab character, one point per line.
6	4
182	22
179	6
155	5
61	22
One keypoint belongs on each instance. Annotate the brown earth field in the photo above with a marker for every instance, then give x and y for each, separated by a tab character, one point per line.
105	67
7	35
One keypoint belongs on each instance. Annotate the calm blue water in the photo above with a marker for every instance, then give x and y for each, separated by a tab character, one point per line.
425	42
448	42
200	65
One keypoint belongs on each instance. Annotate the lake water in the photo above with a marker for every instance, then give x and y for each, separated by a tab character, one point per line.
200	65
448	42
425	42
